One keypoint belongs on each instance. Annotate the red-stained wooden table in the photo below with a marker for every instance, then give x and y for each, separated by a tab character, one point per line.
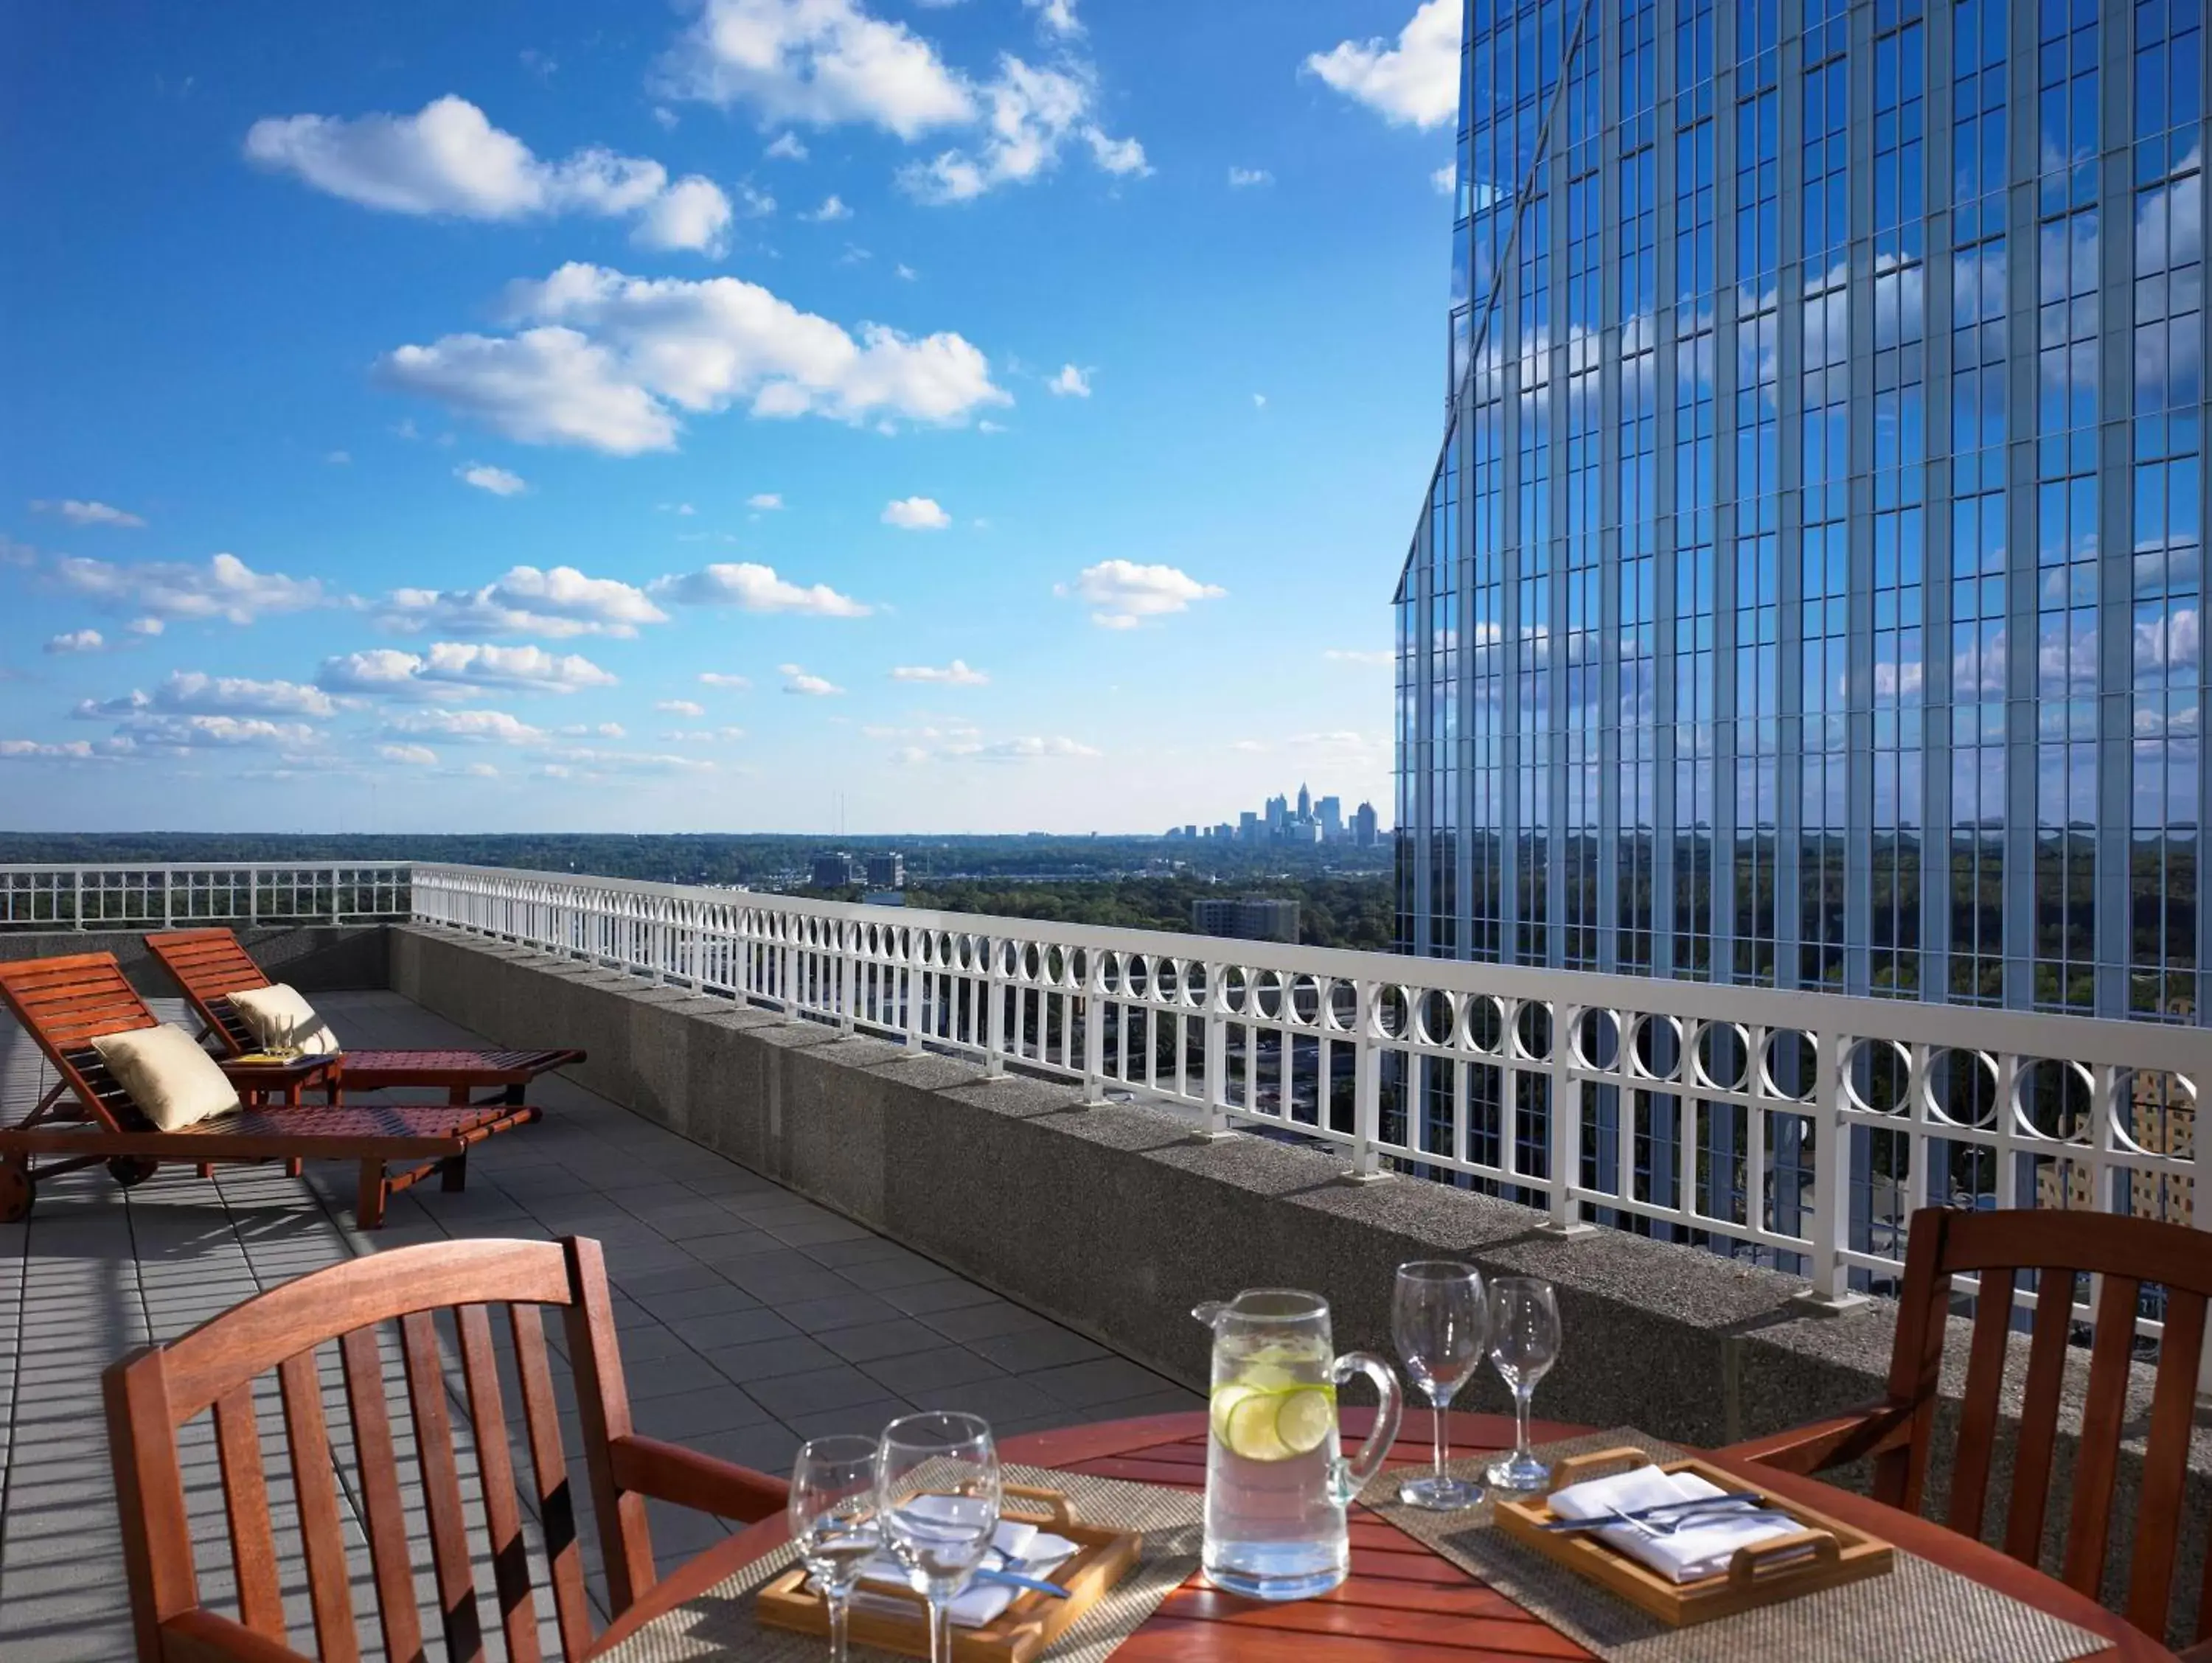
1403	1603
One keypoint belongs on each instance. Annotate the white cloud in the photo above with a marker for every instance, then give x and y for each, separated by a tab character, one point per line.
498	481
680	708
788	147
338	458
756	588
88	513
704	736
465	726
832	209
560	603
1031	748
1242	178
447	159
1070	383
145	626
1030	115
915	514
454	670
192	692
1360	655
1445	179
765	499
565	762
1258	401
692	214
167	732
1414	82
1056	17
1124	593
904	272
813	687
955	674
593	730
421	756
818	62
725	680
609	360
71	751
481	771
77	640
226	588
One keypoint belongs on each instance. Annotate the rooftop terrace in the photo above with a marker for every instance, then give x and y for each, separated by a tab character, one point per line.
750	1317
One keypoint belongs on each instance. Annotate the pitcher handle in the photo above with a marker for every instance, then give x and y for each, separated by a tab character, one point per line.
1353	1474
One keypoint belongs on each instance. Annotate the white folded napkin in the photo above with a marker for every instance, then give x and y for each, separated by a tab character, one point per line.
1020	1547
1695	1550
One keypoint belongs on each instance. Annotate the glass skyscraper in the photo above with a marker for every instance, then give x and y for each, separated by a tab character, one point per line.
1809	590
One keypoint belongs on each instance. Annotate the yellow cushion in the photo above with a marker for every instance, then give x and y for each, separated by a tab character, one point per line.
173	1082
279	1017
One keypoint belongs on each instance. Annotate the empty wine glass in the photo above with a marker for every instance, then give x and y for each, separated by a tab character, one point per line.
1524	1343
1438	1319
832	1510
937	1493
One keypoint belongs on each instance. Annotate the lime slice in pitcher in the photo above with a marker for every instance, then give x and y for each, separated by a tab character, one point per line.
1226	1397
1303	1419
1250	1428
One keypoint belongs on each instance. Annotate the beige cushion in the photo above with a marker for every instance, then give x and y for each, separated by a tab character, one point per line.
173	1082
275	1013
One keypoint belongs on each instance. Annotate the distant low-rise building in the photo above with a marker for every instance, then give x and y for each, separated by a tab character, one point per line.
887	871
835	871
1249	920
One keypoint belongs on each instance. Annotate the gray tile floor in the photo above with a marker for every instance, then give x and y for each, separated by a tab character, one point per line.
749	1317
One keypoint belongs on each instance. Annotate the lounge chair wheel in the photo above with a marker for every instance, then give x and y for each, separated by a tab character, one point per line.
17	1190
129	1169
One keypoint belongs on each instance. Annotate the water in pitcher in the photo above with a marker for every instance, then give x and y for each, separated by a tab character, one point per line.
1275	1528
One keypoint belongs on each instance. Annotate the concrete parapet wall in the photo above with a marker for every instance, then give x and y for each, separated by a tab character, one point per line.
1114	1221
315	958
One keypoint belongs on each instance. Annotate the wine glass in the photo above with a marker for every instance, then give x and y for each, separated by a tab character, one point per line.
1438	1319
832	1509
937	1495
1524	1343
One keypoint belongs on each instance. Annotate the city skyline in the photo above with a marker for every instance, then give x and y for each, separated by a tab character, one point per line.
1810	588
608	434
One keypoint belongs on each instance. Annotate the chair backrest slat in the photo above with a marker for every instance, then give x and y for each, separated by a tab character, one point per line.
315	1484
1914	1373
2097	1458
557	1496
246	1505
383	1513
510	1561
2166	1464
603	1401
2039	1415
441	1490
1978	1418
210	965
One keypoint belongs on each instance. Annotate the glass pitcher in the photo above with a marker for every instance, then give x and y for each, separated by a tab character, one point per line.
1276	1485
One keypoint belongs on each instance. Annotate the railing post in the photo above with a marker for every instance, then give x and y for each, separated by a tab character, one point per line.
1830	1293
1567	1130
168	898
253	895
76	901
911	1007
1094	1027
994	1012
1215	1126
1366	1089
848	938
338	913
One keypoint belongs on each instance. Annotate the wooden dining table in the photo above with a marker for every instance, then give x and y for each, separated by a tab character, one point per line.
1403	1602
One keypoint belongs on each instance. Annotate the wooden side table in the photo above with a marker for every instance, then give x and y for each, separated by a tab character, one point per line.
263	1080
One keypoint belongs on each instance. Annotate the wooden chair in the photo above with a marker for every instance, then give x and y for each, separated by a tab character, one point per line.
210	965
87	1118
152	1393
1898	1432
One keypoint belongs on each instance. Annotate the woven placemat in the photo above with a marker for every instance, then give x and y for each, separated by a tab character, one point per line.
1919	1613
719	1624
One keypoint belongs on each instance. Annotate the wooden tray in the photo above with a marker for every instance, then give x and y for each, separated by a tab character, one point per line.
1761	1574
1018	1634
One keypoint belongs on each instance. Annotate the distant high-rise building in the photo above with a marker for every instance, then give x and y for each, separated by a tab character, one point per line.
1225	831
1329	810
1278	813
887	871
1363	832
835	871
1250	920
1248	826
1190	831
1305	802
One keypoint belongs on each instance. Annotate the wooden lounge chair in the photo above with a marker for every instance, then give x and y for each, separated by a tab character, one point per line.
153	1392
210	965
87	1117
1899	1432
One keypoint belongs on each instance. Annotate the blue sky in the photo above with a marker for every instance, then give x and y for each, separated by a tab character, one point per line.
995	415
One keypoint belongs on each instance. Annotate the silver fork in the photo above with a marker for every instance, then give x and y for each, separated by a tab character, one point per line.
1692	1513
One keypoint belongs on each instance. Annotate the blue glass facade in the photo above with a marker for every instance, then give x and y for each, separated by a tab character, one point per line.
1808	591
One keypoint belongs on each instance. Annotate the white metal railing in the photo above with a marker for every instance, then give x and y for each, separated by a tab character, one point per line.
1802	1128
155	895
